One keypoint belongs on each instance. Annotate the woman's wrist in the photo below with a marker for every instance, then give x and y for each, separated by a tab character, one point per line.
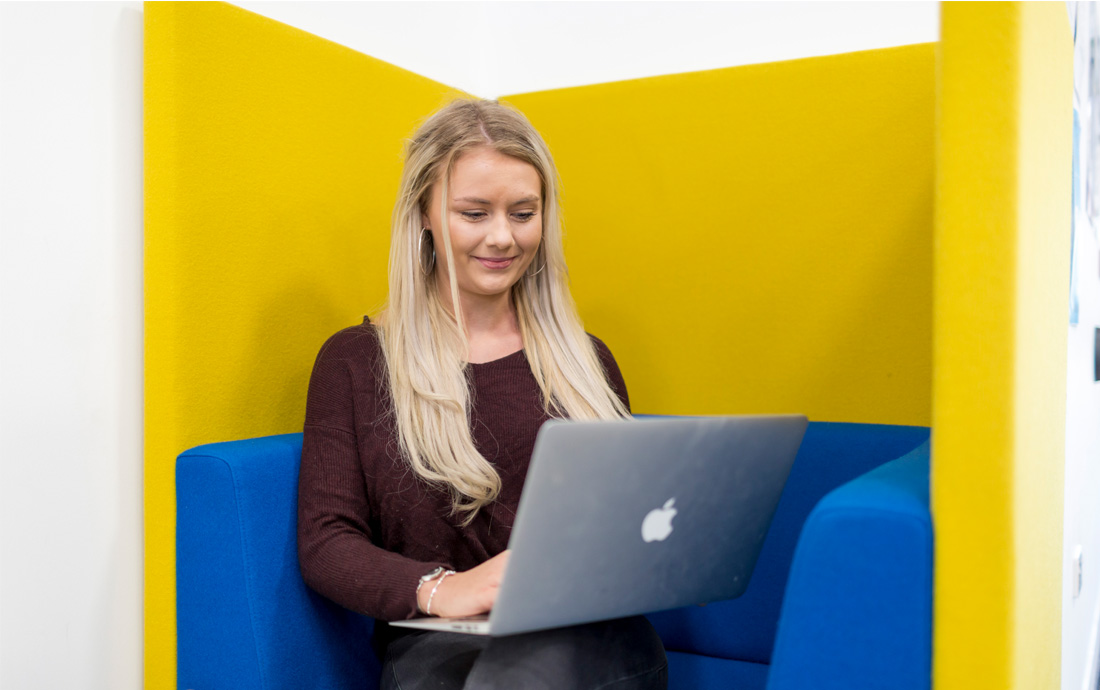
432	601
428	588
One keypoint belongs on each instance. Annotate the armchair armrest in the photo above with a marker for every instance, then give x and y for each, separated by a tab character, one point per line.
245	618
858	607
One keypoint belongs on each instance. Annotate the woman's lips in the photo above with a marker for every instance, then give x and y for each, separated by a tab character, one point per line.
496	264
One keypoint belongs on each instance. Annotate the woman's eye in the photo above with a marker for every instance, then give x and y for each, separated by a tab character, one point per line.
524	216
473	215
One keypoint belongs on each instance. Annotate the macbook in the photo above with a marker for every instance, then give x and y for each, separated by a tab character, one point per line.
625	517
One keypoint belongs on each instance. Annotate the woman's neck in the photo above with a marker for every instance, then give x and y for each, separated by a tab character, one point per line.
492	327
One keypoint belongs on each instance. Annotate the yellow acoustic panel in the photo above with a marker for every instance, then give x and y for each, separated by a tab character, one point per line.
272	159
757	239
1001	280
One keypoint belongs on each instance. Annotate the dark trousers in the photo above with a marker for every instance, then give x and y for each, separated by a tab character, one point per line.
623	654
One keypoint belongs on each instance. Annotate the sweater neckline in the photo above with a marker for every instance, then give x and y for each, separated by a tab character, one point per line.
491	362
499	360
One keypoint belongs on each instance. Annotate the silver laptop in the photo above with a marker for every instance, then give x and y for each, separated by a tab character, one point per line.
626	517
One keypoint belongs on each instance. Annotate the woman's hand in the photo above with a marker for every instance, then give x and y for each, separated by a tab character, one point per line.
468	593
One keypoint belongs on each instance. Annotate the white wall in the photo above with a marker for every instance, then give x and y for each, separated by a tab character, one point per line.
1081	612
70	253
70	346
492	49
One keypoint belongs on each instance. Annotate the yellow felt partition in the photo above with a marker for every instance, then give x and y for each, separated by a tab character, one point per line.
753	239
757	239
272	159
1001	293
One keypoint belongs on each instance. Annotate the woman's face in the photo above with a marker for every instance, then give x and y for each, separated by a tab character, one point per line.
495	223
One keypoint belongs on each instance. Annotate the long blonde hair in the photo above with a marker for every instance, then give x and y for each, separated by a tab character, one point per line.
425	345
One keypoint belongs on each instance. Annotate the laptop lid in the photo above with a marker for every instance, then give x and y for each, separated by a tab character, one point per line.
627	517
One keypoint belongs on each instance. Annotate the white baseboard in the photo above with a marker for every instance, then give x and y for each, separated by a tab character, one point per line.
1091	667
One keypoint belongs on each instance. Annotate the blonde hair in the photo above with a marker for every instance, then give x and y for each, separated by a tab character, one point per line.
425	345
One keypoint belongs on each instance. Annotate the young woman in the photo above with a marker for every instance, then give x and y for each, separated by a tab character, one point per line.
420	426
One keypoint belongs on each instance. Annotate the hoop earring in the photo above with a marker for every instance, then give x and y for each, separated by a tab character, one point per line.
420	252
532	275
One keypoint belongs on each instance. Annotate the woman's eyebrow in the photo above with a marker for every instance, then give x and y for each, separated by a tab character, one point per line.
526	200
486	202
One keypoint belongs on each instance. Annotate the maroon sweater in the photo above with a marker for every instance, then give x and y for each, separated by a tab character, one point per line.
368	528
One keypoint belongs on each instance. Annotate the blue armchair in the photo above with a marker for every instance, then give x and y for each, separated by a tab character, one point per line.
841	596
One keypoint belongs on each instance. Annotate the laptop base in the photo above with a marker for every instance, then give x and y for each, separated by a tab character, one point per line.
472	625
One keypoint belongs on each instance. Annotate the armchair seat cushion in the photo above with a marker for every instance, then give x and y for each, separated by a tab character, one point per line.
693	671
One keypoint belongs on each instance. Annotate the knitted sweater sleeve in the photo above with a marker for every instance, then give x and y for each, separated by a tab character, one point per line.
611	370
336	553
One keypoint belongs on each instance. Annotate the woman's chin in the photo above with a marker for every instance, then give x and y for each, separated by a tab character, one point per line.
500	286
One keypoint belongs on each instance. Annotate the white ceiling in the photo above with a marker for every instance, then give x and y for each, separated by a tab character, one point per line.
496	48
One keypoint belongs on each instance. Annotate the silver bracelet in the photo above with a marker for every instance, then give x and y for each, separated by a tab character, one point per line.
428	607
427	578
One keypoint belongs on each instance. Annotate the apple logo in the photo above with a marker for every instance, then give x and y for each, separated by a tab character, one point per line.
658	524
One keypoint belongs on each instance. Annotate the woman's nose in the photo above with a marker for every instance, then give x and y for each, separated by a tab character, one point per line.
500	232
